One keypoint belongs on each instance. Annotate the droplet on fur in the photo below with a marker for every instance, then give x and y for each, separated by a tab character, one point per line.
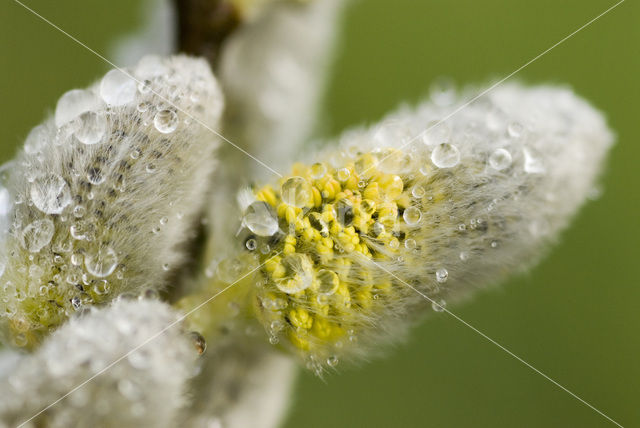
328	282
166	121
37	234
102	263
445	156
412	216
298	273
442	275
50	194
260	219
318	170
117	88
500	159
296	192
93	126
74	103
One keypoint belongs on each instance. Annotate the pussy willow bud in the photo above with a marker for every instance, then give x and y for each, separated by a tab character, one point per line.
104	193
145	388
345	236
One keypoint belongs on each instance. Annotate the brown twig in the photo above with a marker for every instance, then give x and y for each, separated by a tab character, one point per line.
203	25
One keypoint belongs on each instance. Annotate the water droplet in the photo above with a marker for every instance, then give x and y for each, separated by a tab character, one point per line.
274	340
37	234
198	342
412	216
102	263
151	168
143	107
532	163
445	156
377	228
394	244
50	194
500	159
318	170
410	244
515	129
494	244
439	306
464	256
95	176
79	211
343	174
36	140
298	273
296	191
328	282
436	133
166	121
93	126
73	103
117	89
164	220
442	275
332	361
260	219
418	191
251	244
76	303
78	231
145	86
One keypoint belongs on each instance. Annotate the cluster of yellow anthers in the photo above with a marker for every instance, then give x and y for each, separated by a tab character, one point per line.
320	279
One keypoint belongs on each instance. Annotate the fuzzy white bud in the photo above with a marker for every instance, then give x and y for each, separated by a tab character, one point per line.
105	193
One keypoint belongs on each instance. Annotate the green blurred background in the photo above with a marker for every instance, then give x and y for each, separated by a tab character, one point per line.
575	317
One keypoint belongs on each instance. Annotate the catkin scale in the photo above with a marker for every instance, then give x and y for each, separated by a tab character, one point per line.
465	203
105	192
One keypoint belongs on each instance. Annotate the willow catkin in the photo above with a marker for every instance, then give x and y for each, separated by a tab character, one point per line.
104	193
346	236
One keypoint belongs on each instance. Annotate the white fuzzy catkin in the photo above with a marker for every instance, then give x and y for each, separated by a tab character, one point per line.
144	389
446	211
106	192
242	384
273	72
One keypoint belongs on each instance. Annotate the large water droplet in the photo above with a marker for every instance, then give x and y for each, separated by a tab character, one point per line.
500	159
117	89
73	103
412	216
445	156
37	234
436	133
101	263
260	219
298	273
92	128
166	121
50	194
36	140
328	282
296	191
